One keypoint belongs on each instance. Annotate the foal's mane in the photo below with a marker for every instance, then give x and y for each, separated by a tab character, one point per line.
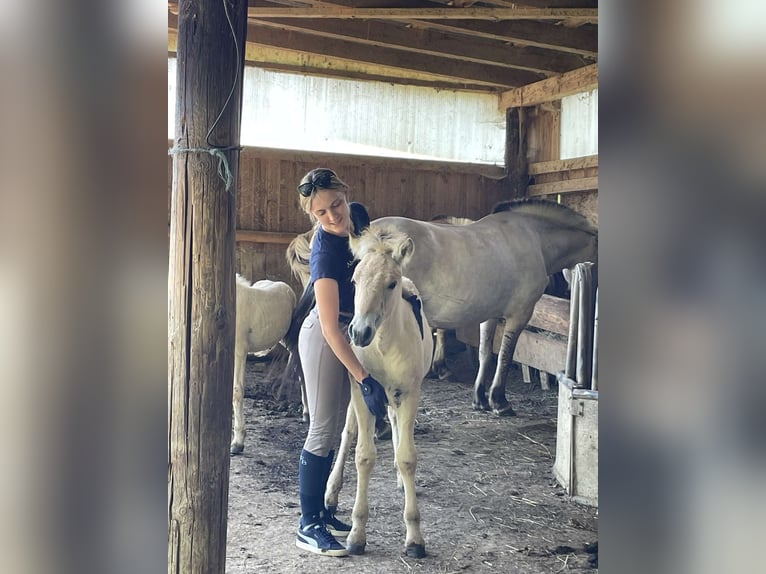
547	209
378	239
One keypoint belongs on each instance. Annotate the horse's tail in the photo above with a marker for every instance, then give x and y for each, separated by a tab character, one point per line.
297	255
301	311
292	371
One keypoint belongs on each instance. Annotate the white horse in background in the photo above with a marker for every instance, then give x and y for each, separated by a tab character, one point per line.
264	310
391	337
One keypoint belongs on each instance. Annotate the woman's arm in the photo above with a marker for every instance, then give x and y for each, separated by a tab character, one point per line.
328	305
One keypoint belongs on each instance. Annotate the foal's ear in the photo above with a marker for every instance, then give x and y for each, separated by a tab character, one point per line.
404	251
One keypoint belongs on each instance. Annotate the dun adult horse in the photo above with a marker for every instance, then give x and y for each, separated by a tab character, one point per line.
495	268
392	339
439	364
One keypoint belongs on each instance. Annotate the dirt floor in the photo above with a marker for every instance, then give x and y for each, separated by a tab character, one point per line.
487	496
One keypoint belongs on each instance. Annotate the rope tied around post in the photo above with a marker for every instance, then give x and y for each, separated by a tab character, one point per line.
224	171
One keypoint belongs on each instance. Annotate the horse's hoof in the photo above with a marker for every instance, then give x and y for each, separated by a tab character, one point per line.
236	448
356	549
416	551
505	411
480	406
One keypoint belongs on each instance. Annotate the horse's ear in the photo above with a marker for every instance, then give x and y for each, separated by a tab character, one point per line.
404	251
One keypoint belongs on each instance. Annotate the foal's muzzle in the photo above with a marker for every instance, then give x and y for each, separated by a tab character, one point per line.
361	337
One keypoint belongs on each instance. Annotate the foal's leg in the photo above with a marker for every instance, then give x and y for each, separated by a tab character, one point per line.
407	462
395	438
486	338
365	462
238	439
335	482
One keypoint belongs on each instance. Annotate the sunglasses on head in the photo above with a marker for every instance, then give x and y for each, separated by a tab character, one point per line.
320	179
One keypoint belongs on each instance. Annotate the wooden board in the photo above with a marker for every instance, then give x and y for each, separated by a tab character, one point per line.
543	351
551	314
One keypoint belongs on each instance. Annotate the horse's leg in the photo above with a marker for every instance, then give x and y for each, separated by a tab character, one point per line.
365	462
513	328
439	364
407	462
238	439
486	339
335	482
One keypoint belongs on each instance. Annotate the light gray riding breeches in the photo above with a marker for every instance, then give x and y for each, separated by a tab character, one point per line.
327	387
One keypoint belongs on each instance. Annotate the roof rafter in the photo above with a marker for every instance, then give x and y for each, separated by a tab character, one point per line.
428	41
483	74
520	13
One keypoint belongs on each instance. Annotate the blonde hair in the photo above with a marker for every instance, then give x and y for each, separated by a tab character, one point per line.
316	179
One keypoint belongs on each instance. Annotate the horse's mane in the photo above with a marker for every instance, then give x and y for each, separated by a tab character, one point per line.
548	209
451	220
243	281
379	239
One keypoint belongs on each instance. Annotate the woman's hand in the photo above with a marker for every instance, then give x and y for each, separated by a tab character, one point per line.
374	396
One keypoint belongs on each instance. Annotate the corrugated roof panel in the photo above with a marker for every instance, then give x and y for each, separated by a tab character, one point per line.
313	113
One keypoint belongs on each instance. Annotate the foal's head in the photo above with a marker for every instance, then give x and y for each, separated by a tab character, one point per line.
378	280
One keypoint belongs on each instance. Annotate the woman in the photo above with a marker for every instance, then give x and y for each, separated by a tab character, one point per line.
326	355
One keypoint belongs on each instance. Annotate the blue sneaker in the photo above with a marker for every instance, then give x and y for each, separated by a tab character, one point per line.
316	539
334	526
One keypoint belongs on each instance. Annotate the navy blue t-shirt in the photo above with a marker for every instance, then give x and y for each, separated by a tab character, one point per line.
332	258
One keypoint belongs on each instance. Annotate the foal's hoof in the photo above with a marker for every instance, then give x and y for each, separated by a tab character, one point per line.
504	411
416	551
355	549
236	448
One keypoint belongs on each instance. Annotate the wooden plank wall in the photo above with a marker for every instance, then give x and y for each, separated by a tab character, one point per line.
268	200
574	181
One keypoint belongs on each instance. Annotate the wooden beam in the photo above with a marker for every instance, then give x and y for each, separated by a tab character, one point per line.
546	35
372	161
580	14
487	74
250	236
564	186
282	60
551	314
563	164
544	353
574	82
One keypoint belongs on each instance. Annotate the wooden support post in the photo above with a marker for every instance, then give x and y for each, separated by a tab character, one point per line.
516	164
201	284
